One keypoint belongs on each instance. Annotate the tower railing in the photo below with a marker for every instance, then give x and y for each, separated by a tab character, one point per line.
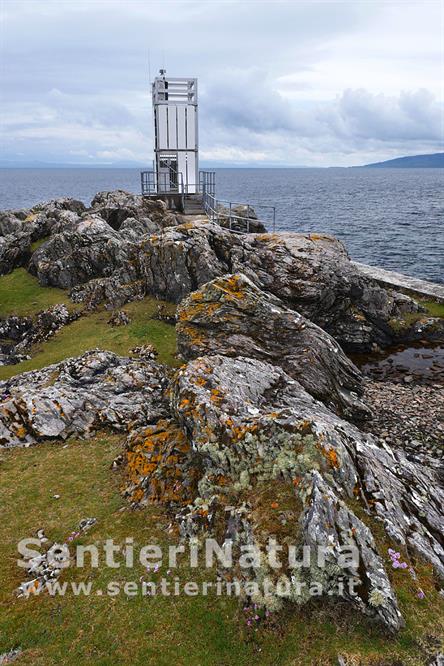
153	182
237	216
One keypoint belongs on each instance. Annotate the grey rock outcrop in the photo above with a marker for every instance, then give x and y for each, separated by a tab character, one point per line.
118	206
39	220
127	246
18	334
231	316
78	396
15	251
70	258
310	273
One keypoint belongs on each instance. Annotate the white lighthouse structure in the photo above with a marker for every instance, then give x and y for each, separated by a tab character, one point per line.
176	147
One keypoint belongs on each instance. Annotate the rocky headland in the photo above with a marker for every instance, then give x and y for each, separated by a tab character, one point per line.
266	399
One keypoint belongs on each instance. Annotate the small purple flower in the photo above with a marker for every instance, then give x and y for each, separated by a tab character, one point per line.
420	594
256	617
395	564
249	623
403	565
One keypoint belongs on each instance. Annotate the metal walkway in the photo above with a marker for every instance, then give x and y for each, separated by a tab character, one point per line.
234	215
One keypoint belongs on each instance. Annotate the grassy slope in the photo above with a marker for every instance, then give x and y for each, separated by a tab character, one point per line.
199	630
21	294
181	630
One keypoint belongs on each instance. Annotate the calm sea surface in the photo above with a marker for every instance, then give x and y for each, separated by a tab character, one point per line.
393	218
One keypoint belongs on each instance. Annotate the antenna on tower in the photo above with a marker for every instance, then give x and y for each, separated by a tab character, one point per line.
149	68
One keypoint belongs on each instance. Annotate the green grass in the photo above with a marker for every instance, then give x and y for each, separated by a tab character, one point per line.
89	331
189	631
433	308
36	244
21	294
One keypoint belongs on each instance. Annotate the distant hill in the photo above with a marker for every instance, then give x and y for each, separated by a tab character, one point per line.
433	161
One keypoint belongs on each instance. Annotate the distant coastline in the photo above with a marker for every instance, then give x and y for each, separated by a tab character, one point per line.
433	161
430	161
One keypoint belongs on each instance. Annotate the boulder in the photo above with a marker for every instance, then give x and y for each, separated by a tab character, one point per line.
80	396
231	316
159	465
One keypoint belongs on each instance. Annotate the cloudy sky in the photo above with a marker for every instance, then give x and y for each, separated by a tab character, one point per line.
315	83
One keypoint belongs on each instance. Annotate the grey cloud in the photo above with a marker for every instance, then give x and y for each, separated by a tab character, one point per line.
75	81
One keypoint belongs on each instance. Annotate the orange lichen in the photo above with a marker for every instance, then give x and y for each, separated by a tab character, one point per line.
331	456
231	287
21	432
239	432
315	237
216	396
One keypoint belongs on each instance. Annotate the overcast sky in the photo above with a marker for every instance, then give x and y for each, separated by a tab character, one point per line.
281	83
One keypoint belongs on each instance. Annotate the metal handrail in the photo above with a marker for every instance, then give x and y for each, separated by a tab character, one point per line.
206	186
212	207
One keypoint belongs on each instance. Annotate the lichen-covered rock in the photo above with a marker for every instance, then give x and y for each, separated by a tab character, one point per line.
113	291
79	396
250	423
63	203
119	318
231	316
37	221
159	465
112	253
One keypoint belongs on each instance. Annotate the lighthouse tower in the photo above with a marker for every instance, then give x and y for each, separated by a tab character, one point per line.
175	134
